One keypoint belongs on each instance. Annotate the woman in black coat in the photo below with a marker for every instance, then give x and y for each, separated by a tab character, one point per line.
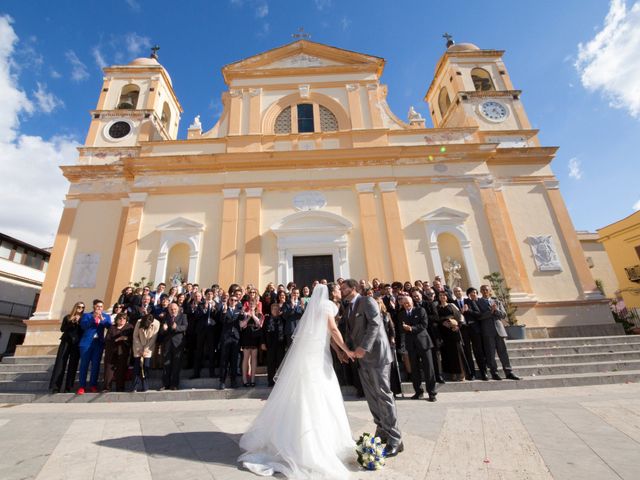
68	355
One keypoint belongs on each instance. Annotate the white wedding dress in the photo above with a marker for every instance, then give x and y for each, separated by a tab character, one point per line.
303	430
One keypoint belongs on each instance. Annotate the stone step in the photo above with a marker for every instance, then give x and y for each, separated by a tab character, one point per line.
522	370
574	358
545	381
43	360
573	368
8	398
25	367
571	341
536	352
542	381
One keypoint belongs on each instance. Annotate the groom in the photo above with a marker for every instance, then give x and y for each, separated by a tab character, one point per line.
365	330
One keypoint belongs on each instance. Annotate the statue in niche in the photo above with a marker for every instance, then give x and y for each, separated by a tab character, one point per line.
544	253
452	272
176	279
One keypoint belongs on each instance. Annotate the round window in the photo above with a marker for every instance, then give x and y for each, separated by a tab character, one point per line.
119	130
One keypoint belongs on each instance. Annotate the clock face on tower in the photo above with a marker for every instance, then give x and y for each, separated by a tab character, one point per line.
494	111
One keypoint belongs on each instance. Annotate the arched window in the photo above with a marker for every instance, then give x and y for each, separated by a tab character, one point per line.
328	121
482	80
129	97
306	121
166	116
283	122
444	101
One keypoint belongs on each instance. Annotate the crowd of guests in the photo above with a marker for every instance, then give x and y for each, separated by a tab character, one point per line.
437	332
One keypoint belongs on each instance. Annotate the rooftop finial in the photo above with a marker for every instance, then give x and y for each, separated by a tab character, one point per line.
154	52
301	34
449	39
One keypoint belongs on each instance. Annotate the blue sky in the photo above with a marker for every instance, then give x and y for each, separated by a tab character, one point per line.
576	61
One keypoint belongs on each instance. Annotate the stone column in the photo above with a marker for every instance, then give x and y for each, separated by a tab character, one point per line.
124	257
397	249
252	239
229	237
355	106
376	117
235	112
371	237
113	291
507	250
586	284
43	309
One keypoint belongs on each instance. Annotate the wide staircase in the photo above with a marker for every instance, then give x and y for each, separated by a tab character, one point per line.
544	363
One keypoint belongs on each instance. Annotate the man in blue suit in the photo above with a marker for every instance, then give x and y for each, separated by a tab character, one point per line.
91	345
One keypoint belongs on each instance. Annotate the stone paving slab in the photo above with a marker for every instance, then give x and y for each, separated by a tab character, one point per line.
564	433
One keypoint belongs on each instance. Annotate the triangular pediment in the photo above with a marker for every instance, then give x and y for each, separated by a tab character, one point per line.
302	55
445	214
180	223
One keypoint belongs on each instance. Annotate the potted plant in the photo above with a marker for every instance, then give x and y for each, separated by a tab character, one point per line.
515	331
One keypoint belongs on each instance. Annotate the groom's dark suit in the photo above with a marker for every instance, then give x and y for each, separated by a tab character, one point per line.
365	329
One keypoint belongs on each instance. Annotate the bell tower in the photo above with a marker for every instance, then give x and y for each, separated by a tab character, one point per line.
137	104
472	88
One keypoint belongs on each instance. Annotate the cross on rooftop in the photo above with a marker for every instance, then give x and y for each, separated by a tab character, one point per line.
154	51
449	39
301	34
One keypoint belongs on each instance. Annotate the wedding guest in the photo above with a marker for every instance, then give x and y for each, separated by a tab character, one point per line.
68	355
450	318
126	297
231	319
194	313
472	315
91	345
173	294
493	333
268	298
418	343
389	328
207	333
157	295
117	352
274	341
292	311
138	311
306	295
465	332
145	335
171	335
250	340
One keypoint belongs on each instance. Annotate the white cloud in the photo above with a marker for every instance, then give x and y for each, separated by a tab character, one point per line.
30	197
262	10
47	102
98	57
78	69
264	30
636	206
609	63
345	23
322	4
136	44
54	73
575	168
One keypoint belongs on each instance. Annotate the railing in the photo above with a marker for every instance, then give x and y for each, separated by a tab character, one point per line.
633	273
17	310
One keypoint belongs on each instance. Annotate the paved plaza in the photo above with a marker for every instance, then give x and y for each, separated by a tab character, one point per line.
564	433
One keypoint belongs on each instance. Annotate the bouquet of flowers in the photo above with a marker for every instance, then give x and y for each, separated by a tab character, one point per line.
371	454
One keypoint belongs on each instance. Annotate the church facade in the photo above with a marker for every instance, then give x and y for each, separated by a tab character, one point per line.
308	174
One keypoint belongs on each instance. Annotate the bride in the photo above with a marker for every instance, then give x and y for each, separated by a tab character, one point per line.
303	430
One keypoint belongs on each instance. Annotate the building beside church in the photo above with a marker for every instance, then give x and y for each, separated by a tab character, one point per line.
309	174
